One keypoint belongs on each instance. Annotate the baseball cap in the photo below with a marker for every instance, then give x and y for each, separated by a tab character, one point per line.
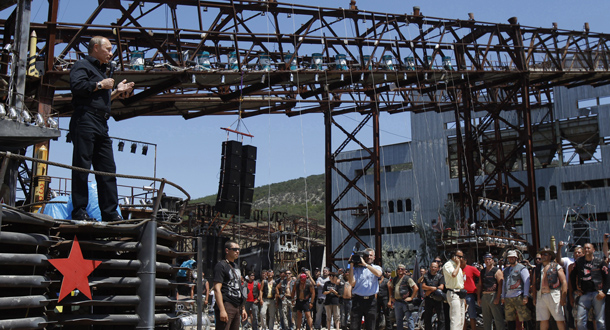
488	255
512	253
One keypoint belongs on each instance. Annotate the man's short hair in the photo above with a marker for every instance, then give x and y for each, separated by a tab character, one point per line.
369	250
229	243
97	40
326	268
401	266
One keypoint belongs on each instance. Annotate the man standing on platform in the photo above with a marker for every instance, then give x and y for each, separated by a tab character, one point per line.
92	95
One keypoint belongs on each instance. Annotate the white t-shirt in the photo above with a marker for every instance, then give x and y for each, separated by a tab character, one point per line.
320	284
565	263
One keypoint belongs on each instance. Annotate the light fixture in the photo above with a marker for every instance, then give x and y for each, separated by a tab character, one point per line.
134	146
404	77
205	8
289	15
481	201
193	79
342	77
52	123
39	120
2	111
262	79
263	13
145	149
121	145
385	76
291	77
25	115
222	79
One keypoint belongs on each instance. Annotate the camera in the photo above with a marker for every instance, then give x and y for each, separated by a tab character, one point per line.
355	258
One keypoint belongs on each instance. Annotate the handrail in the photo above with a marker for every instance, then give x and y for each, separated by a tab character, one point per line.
9	155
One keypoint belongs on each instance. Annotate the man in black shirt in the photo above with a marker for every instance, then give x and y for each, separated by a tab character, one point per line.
92	94
433	284
592	284
228	291
383	299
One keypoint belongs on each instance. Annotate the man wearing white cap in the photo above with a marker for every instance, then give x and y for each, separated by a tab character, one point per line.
515	293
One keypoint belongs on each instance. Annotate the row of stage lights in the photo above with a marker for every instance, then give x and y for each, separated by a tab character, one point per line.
490	203
134	147
25	117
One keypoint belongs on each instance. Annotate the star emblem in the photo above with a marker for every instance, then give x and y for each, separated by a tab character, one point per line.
75	270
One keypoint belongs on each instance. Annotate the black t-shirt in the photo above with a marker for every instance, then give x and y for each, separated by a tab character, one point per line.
434	280
383	289
230	277
331	298
592	275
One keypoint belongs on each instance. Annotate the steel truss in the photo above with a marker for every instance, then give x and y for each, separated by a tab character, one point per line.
364	62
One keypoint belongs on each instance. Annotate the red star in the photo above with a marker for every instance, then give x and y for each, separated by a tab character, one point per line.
75	270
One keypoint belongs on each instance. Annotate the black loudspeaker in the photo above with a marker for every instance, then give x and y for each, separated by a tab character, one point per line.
229	192
248	165
246	195
247	180
235	208
230	177
233	148
249	152
231	162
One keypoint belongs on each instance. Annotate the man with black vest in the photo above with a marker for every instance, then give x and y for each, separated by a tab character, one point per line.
489	292
592	285
515	293
268	295
402	292
253	300
433	284
302	297
550	291
228	291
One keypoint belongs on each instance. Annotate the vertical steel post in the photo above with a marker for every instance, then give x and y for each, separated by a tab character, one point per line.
147	255
377	187
22	39
531	171
199	282
329	165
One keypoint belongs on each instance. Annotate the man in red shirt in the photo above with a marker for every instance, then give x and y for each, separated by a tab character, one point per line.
471	276
253	300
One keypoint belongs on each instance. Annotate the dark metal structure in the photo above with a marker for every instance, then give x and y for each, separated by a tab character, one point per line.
250	58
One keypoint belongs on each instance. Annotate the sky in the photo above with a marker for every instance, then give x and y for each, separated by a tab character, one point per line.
189	151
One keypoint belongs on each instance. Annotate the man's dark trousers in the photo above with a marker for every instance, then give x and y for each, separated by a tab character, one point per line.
363	306
92	146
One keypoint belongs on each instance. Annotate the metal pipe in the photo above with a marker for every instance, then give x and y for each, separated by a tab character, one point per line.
147	255
199	283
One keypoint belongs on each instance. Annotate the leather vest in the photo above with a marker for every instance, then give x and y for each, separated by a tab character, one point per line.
552	277
488	278
306	292
594	276
255	290
265	290
513	280
404	289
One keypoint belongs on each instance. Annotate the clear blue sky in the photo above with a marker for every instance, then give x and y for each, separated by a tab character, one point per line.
288	148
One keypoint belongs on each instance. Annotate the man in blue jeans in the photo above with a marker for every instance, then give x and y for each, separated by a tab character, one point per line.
402	290
592	284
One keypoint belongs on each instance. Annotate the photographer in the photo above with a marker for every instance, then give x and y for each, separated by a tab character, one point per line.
364	278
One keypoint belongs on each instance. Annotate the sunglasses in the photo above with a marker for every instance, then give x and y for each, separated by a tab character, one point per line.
234	249
461	257
538	258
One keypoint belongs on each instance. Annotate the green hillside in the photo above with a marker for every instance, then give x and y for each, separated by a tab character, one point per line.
298	197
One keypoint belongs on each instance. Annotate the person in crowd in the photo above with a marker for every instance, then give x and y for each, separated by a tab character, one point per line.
253	300
282	290
320	296
489	291
92	95
291	281
331	302
230	300
454	282
550	291
592	284
471	276
364	280
383	302
346	307
268	308
302	297
515	293
403	291
433	285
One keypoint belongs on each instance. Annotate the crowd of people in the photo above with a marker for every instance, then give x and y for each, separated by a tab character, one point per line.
505	292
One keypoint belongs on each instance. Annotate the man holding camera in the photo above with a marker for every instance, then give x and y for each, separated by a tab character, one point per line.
454	282
364	278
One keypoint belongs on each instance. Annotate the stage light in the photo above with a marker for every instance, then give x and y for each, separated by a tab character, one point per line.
2	111
39	120
134	146
25	115
121	146
145	149
52	123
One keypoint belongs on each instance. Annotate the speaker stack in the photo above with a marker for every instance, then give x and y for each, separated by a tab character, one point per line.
236	186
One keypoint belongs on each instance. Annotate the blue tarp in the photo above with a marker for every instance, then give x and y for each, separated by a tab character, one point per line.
64	210
187	264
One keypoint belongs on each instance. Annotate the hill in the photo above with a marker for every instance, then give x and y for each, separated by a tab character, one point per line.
299	197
